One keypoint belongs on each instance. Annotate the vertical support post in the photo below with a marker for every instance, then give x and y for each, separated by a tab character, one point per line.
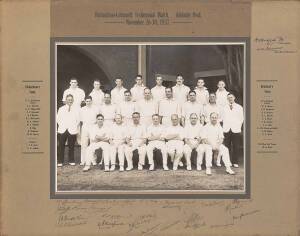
142	62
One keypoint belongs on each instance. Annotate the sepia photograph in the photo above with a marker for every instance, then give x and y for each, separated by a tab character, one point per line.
150	116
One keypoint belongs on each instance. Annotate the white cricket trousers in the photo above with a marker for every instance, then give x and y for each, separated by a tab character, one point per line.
129	153
175	151
117	147
90	152
160	145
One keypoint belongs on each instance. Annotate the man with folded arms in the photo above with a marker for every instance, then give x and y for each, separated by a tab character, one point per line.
167	107
126	108
155	136
108	110
147	107
213	136
232	127
117	142
174	134
136	140
88	115
99	137
68	123
193	133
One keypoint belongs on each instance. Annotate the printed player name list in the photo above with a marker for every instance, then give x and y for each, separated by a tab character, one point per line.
32	111
267	126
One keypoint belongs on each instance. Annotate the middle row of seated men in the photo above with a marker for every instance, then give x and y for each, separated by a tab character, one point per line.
172	140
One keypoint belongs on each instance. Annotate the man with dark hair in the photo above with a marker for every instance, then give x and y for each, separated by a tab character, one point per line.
221	94
211	107
117	94
147	107
99	138
108	110
77	93
167	107
136	140
88	115
137	90
189	107
158	91
68	123
232	126
201	92
180	91
97	94
126	108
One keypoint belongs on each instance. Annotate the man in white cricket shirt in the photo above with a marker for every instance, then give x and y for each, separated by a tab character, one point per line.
232	126
147	107
99	138
193	134
77	93
158	92
167	107
117	142
213	136
117	93
174	134
97	94
68	123
126	108
180	91
137	90
211	107
135	140
156	140
189	107
221	94
108	110
201	92
88	115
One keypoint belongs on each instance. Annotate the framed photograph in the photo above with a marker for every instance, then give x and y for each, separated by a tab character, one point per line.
193	78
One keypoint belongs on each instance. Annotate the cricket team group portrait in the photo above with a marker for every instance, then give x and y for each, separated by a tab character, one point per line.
170	131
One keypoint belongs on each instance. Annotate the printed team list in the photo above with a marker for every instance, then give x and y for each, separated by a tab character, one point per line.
268	118
32	117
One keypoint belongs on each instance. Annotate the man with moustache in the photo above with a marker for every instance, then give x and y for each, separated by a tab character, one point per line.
180	90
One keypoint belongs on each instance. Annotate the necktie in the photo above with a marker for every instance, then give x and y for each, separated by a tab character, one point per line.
231	106
69	108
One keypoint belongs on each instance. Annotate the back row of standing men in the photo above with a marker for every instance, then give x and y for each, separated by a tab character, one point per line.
178	100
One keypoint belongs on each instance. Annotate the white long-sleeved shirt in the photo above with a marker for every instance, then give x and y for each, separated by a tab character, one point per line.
175	130
191	107
147	108
202	95
180	93
126	109
68	119
193	131
136	132
96	130
167	107
117	95
88	114
137	92
158	93
77	93
221	97
210	108
233	118
213	133
97	96
155	130
108	111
